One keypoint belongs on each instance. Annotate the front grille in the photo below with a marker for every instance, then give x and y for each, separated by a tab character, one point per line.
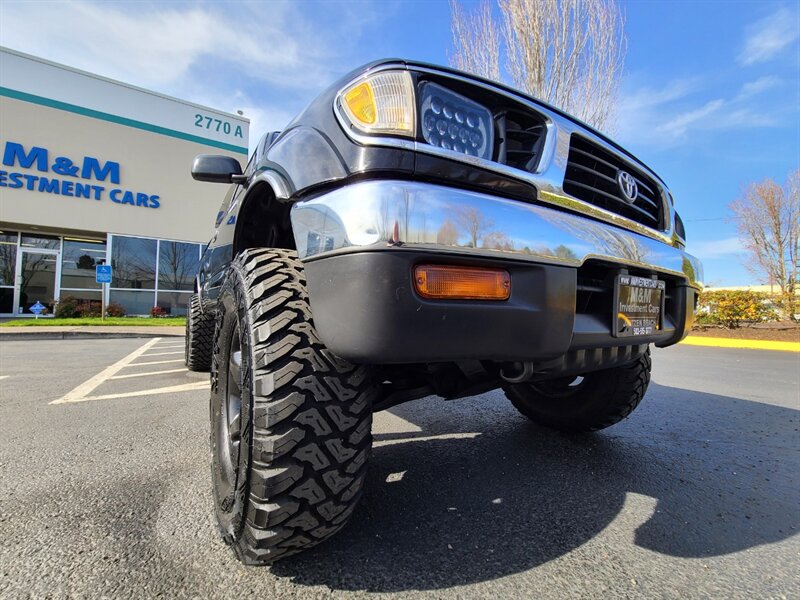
592	177
519	139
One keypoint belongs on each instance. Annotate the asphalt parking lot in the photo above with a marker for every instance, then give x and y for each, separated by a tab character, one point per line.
105	488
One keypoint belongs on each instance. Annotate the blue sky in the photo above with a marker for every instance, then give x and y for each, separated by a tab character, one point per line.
710	97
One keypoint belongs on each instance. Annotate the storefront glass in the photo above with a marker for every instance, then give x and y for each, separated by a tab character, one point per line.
8	266
174	303
134	263
166	269
135	302
78	261
177	265
37	280
146	272
44	242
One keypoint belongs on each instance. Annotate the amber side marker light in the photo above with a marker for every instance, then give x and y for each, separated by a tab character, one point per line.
444	282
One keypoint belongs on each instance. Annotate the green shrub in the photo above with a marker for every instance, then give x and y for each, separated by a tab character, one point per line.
115	310
71	307
67	308
90	308
732	308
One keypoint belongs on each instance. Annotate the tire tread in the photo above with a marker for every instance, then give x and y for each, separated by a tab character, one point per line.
199	337
312	414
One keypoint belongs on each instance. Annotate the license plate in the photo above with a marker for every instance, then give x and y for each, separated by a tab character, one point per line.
638	306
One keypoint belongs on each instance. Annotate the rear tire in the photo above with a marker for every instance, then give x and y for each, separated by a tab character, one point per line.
199	337
290	421
599	400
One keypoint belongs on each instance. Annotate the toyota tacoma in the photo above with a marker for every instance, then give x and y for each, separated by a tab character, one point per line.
417	231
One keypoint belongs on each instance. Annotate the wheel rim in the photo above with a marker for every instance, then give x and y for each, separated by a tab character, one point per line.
230	420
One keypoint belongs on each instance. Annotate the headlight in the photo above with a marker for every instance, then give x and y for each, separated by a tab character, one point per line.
381	103
454	122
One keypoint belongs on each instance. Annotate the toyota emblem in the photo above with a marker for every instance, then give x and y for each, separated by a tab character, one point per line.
628	187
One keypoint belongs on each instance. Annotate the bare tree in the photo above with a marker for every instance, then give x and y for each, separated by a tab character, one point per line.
476	39
498	240
473	222
178	263
768	218
569	53
447	234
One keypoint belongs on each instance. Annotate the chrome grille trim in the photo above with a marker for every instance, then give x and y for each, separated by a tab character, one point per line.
548	177
591	176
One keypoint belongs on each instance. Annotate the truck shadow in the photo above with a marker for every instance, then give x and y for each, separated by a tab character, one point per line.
443	509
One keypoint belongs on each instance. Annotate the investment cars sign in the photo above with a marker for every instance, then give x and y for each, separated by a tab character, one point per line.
75	179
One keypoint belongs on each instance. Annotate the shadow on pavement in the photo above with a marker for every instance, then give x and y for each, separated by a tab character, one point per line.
468	509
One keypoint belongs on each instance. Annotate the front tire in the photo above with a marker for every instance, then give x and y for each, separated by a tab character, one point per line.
290	421
594	401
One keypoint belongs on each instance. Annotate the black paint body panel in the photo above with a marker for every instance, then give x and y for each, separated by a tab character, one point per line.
366	310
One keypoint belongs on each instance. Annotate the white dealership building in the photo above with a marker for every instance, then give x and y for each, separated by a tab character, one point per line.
96	171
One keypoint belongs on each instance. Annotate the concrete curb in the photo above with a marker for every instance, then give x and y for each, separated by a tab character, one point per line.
82	335
740	343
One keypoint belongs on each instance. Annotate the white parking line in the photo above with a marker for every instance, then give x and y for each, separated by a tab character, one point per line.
4	376
184	387
90	384
149	354
148	373
166	347
427	438
156	362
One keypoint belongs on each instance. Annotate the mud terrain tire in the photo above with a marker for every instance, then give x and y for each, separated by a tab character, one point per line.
599	400
290	421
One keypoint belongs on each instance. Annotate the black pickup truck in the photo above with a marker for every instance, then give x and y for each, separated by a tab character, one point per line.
417	231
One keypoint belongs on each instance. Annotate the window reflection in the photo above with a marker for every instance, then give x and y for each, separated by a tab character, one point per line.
135	302
78	262
48	242
8	259
178	263
174	303
134	263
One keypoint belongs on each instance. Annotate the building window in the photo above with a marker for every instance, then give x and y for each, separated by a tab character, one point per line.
8	266
174	303
161	272
134	263
135	302
177	265
78	261
8	257
43	242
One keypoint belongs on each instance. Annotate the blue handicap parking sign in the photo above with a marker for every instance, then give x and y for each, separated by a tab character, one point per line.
102	273
37	308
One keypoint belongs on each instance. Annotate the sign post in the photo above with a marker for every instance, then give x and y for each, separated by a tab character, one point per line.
37	309
102	275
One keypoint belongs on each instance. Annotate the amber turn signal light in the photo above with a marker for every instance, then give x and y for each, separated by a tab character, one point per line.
447	282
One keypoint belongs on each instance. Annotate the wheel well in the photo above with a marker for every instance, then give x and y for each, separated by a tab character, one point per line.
263	222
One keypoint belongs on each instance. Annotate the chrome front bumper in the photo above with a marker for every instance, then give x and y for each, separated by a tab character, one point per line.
398	215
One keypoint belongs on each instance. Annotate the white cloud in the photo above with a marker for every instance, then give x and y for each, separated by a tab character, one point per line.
153	45
758	86
711	249
676	114
267	59
685	110
647	97
766	38
677	126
